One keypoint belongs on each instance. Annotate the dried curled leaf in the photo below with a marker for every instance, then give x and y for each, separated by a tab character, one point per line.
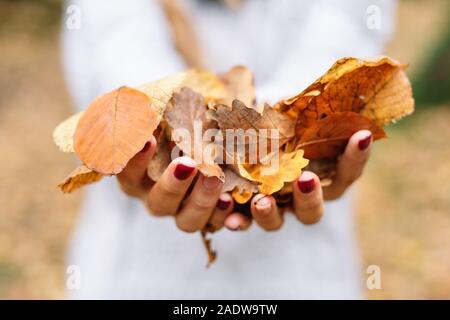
161	91
64	132
247	126
241	189
205	83
239	85
270	177
161	158
113	129
378	89
79	177
327	137
187	109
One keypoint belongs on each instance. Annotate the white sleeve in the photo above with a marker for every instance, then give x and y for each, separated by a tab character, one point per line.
118	43
331	30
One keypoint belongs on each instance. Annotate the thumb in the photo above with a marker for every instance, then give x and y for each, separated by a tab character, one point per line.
133	179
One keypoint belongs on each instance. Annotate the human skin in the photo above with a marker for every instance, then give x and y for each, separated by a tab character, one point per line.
206	205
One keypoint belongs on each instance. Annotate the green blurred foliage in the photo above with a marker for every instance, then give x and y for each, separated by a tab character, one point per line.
432	84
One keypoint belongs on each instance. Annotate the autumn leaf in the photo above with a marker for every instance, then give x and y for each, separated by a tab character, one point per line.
289	168
241	189
187	109
161	91
239	85
204	82
250	123
64	132
161	158
378	89
79	177
328	137
113	129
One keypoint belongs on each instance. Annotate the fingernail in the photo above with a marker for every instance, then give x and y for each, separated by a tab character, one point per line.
211	182
306	186
182	171
223	204
363	144
146	147
263	205
234	229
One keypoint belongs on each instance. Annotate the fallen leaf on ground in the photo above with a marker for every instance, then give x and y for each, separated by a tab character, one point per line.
79	177
113	129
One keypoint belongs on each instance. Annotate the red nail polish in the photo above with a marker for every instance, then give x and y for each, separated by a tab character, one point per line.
363	144
223	205
182	172
146	147
306	186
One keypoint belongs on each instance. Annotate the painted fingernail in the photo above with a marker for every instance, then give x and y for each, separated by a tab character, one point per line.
146	147
263	205
223	204
211	182
306	186
364	143
182	171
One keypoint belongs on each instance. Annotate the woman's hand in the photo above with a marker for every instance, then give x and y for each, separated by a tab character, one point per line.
308	195
205	205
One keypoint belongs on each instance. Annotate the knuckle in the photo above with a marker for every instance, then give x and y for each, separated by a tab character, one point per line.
186	227
158	208
273	226
169	190
203	203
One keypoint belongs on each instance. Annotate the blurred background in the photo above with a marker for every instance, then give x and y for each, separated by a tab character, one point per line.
403	204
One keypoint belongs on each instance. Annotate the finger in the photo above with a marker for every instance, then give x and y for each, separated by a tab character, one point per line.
166	195
351	164
265	212
236	221
224	207
200	204
308	200
134	180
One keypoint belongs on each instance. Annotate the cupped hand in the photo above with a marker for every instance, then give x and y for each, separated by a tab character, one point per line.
196	201
308	195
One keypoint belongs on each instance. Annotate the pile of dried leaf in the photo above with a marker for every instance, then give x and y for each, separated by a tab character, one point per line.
312	127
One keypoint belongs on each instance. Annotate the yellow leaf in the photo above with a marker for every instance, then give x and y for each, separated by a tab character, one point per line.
241	197
79	177
63	133
203	82
206	83
161	91
271	180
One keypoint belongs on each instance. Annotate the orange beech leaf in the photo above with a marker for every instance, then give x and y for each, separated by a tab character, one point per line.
113	129
327	137
79	177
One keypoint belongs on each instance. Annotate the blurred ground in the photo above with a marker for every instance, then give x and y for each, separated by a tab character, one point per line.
403	207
